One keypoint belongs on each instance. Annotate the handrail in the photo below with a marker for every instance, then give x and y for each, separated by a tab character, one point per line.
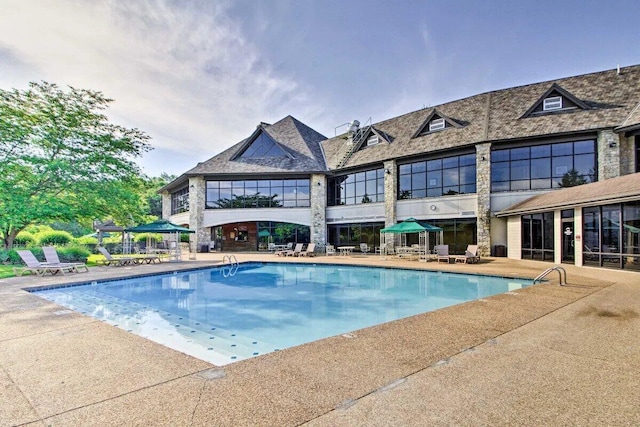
230	259
562	273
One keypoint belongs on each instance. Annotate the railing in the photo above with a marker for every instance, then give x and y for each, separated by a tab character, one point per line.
230	259
562	273
356	140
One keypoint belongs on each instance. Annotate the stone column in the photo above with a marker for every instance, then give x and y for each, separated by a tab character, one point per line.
608	148
196	212
483	192
166	204
390	192
318	195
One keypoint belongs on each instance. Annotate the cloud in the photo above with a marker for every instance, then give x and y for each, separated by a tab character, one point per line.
181	71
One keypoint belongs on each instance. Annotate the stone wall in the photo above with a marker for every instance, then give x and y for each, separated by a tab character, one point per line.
390	187
483	192
196	213
627	155
318	229
166	204
609	145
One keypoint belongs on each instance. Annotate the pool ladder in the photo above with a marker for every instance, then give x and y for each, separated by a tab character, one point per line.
232	262
562	273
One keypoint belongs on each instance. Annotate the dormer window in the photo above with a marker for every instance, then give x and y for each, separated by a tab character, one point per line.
552	103
372	140
436	124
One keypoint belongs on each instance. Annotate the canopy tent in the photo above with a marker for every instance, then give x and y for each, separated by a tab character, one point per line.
163	226
389	240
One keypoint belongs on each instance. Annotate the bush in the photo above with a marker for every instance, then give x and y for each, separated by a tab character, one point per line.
24	238
73	253
142	237
56	238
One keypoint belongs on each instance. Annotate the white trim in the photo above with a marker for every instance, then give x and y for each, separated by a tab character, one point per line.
552	103
436	124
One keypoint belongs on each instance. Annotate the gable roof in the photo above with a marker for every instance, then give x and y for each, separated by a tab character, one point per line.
299	140
613	190
498	116
424	128
555	87
247	143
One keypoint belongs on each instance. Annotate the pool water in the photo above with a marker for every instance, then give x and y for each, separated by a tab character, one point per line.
225	314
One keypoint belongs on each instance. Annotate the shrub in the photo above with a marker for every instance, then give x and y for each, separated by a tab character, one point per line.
86	240
142	237
24	238
57	238
73	253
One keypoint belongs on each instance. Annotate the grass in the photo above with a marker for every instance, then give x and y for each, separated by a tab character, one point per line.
6	271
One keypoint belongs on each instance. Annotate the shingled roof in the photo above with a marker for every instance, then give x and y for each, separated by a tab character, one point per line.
300	141
611	98
613	190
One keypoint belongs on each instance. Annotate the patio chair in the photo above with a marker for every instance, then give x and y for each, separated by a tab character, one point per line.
331	250
51	255
364	248
470	255
115	261
442	253
284	251
296	251
34	266
310	251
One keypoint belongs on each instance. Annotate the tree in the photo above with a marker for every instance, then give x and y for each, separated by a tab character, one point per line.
571	179
62	160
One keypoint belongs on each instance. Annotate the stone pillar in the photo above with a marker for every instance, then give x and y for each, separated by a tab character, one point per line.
483	192
627	154
390	192
318	229
166	204
608	148
196	212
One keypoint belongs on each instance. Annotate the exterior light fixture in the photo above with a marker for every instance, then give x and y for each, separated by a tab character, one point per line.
387	171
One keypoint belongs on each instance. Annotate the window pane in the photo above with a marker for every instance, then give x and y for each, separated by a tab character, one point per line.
405	182
582	147
419	180
561	165
450	162
540	184
419	167
540	151
500	171
519	153
434	179
500	155
566	148
468	159
434	164
404	169
450	177
585	165
541	168
520	169
468	174
520	185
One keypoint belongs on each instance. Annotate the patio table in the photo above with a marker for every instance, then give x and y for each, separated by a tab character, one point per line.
346	250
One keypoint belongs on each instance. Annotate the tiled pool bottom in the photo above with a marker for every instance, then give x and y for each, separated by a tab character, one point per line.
222	315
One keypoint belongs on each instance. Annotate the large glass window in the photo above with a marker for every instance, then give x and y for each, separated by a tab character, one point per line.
612	236
356	188
437	177
537	236
263	146
354	234
261	193
180	201
542	167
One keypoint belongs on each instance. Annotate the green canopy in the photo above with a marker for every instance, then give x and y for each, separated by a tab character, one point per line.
264	233
410	226
159	226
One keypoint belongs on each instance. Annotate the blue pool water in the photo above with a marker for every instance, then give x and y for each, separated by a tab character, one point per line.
226	314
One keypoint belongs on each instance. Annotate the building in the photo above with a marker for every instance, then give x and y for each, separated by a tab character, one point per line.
464	166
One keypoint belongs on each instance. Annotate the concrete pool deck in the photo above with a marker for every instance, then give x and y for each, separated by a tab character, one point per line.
543	355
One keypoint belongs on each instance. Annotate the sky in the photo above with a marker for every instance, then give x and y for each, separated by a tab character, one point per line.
199	76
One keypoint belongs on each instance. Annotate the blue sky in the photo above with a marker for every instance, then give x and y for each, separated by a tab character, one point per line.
199	76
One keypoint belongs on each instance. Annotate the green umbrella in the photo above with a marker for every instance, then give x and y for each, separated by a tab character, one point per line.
408	226
159	226
264	233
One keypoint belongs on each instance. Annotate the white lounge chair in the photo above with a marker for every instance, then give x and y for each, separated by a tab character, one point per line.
296	251
331	250
115	261
36	267
470	255
442	253
51	255
310	251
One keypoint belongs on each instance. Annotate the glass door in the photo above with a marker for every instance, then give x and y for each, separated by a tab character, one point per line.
568	241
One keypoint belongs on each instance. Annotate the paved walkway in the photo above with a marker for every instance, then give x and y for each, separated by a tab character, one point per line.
544	355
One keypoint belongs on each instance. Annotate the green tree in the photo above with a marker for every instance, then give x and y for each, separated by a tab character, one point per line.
571	179
62	160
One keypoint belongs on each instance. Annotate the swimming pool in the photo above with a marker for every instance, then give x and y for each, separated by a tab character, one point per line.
225	314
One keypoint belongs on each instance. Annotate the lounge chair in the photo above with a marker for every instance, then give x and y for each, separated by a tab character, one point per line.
309	251
470	255
364	248
296	251
115	261
442	253
283	252
36	267
51	254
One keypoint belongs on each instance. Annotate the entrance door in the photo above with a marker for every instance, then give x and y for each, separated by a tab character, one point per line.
568	236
